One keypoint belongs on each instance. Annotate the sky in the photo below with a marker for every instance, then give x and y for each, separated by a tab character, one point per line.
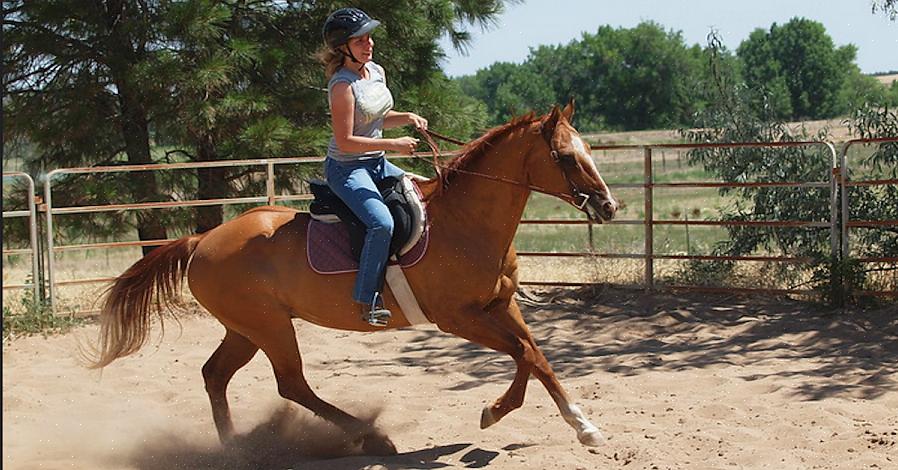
552	22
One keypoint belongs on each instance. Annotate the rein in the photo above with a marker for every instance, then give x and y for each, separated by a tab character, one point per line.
579	201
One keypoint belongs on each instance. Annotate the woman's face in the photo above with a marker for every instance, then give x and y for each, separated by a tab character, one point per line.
362	48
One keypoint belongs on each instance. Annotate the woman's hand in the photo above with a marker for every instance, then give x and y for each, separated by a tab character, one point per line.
404	145
417	121
399	119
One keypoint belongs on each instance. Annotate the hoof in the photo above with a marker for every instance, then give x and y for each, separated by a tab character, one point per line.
591	437
378	444
487	419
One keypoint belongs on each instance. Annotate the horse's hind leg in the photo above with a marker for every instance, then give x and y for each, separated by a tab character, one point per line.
278	342
232	354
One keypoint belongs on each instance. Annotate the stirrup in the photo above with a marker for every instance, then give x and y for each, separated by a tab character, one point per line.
378	315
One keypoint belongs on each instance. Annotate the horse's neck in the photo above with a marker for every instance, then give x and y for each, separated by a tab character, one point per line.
482	207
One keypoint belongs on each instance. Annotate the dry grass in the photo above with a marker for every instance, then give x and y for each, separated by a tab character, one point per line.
887	79
838	131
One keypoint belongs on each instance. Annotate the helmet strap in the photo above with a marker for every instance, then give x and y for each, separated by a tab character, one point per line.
348	53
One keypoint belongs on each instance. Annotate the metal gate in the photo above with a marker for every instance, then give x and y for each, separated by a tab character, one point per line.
32	250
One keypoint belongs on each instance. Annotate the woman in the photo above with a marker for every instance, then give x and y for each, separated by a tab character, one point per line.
360	105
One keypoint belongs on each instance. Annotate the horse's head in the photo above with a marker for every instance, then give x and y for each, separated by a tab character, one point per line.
565	167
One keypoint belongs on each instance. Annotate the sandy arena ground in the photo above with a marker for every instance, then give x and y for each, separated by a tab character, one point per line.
679	382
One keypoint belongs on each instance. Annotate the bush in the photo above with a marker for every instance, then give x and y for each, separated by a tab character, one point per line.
35	317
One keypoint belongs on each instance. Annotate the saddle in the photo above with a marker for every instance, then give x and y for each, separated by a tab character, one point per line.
330	215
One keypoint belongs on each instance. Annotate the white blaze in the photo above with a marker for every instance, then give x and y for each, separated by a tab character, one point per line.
580	147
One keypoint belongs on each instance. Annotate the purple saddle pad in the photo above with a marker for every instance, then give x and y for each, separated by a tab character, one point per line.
329	252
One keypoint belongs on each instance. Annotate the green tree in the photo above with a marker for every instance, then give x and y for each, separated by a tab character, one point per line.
624	78
509	90
79	87
733	115
641	78
860	89
223	105
870	121
98	83
799	67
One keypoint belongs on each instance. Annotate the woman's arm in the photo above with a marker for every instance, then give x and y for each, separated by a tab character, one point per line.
397	119
342	110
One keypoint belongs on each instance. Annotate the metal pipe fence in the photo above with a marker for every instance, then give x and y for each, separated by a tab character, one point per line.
31	214
649	222
846	182
270	197
836	181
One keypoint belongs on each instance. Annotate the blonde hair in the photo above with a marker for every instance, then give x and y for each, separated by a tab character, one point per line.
332	60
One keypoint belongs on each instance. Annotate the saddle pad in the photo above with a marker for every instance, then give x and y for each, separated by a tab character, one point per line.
329	252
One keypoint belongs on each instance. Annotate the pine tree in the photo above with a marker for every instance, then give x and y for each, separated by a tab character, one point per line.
79	89
105	82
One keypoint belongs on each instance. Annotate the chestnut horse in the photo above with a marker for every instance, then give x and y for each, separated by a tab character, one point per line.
252	274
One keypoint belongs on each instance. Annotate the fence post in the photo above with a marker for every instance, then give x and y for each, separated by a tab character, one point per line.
843	178
649	223
51	254
269	183
834	183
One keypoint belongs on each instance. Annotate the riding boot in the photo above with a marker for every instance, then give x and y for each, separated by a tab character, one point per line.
377	315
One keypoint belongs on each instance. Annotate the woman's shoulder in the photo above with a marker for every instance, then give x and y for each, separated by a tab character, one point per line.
341	75
376	68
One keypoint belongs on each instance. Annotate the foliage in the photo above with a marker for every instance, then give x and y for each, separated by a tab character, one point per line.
639	78
799	67
81	79
93	83
875	202
734	115
838	281
35	317
889	7
705	273
646	77
509	90
740	113
623	78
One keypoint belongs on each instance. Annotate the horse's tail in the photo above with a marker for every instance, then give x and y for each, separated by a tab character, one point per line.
148	286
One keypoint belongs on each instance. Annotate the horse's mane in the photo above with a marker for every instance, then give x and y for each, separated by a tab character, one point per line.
474	150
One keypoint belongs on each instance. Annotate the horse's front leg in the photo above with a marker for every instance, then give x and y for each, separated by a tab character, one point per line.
476	325
587	433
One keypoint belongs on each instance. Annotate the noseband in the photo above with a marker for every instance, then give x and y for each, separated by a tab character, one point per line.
576	197
566	162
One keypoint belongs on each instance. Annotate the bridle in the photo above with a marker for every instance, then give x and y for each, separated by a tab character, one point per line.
576	197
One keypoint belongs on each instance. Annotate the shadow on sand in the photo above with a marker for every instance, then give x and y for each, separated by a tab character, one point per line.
624	332
583	331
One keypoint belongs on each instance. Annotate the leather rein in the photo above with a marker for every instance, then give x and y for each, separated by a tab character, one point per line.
576	198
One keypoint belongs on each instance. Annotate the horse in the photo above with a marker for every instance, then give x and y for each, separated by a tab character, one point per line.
252	274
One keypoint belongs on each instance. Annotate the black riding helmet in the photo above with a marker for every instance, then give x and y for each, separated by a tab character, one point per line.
346	23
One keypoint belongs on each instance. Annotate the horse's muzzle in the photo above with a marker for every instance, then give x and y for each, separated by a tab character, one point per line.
601	207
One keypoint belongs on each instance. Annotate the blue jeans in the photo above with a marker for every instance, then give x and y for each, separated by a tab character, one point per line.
355	182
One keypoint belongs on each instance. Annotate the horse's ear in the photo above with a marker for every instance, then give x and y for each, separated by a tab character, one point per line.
550	122
568	111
